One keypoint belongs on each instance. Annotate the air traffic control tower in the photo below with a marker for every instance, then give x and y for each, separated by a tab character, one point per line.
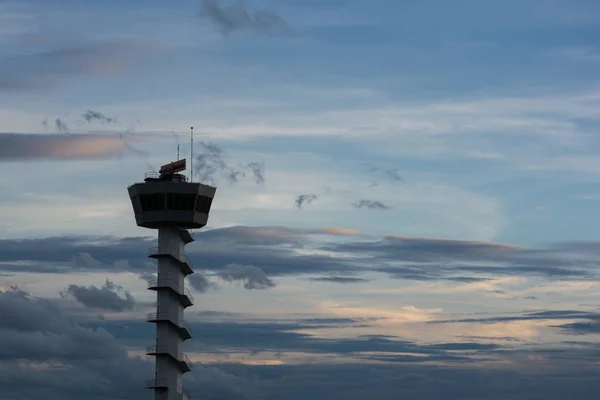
168	202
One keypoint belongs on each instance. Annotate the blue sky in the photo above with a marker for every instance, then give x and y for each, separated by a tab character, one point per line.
451	149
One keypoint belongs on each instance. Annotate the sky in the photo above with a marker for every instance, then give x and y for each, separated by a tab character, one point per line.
406	199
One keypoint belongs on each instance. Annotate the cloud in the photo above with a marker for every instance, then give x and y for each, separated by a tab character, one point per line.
56	355
413	257
211	165
291	336
45	352
35	331
258	170
42	69
281	251
370	204
341	231
391	174
305	199
529	316
237	18
582	328
252	277
339	279
91	116
32	146
104	298
200	282
61	126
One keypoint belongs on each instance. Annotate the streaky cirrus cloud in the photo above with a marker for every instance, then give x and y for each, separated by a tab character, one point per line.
341	231
44	69
62	146
229	19
105	298
339	279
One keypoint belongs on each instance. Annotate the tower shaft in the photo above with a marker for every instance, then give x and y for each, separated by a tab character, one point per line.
171	362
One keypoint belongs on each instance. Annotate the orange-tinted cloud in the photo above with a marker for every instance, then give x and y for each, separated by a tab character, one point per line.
18	147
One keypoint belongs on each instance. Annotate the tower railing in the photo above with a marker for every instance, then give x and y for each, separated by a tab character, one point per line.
157	383
169	251
164	315
152	175
164	384
172	284
170	350
157	176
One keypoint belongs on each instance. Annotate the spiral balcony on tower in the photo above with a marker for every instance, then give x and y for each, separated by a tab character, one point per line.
185	297
163	385
179	324
182	361
165	251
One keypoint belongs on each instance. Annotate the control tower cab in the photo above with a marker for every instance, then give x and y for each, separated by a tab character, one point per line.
167	197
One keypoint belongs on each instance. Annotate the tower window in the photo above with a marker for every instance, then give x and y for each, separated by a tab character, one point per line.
203	204
180	201
152	202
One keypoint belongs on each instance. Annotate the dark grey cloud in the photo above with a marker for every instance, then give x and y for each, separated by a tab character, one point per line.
582	328
72	360
251	276
305	199
44	69
412	382
426	259
339	279
388	174
61	125
63	146
589	321
91	116
210	165
394	174
220	334
273	249
75	359
286	336
258	171
35	330
106	297
200	282
229	19
370	204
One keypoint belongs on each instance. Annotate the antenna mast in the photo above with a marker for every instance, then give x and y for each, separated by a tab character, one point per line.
192	154
177	152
